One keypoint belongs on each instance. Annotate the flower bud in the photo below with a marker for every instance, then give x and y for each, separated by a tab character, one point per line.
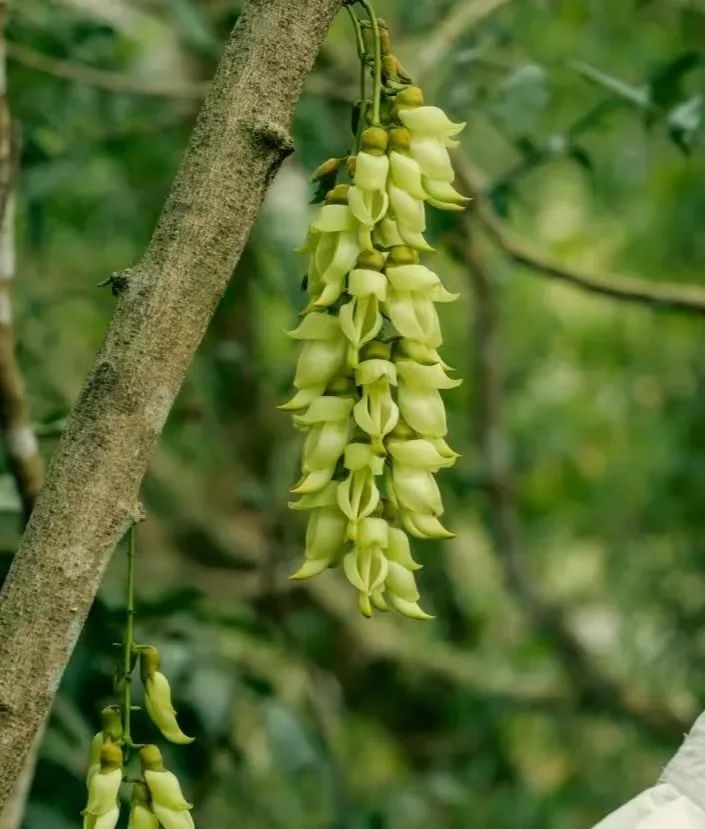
157	697
399	140
328	168
402	255
338	195
374	140
409	98
371	260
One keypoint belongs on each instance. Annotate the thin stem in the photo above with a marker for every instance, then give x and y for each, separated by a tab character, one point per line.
377	93
362	55
128	643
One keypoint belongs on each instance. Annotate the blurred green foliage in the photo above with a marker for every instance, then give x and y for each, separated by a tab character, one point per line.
587	116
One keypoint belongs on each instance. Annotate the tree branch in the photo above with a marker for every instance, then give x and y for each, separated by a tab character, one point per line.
164	306
111	81
660	296
592	686
465	15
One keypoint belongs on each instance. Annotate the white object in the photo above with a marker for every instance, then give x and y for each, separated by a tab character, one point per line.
678	800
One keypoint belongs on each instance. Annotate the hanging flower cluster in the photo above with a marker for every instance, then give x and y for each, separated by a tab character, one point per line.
369	375
157	800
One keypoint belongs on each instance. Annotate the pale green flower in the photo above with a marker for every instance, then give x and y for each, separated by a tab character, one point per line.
322	356
325	538
420	402
328	420
333	245
168	802
366	566
414	290
443	195
157	697
102	810
429	120
358	495
360	319
376	413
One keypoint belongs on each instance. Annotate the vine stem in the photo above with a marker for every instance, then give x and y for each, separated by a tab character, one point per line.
128	641
362	55
377	92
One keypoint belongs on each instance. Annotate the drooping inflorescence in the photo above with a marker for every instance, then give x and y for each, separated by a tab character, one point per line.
156	798
369	375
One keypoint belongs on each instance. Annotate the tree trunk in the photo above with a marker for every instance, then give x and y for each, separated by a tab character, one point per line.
164	306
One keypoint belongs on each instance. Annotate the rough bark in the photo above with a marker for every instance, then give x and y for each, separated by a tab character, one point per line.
163	308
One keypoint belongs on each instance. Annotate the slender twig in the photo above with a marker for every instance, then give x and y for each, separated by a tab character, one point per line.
592	686
661	296
464	16
108	80
377	72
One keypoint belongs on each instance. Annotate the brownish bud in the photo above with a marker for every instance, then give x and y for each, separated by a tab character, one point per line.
372	260
409	98
400	139
402	255
328	168
338	195
110	757
151	758
351	164
376	350
374	140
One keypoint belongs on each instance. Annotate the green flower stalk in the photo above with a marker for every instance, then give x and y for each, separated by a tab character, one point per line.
369	375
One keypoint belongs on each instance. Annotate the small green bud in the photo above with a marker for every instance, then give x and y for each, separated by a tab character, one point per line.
374	140
111	718
338	195
409	98
403	255
399	139
371	259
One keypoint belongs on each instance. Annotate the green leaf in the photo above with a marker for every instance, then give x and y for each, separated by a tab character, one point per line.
523	98
638	96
